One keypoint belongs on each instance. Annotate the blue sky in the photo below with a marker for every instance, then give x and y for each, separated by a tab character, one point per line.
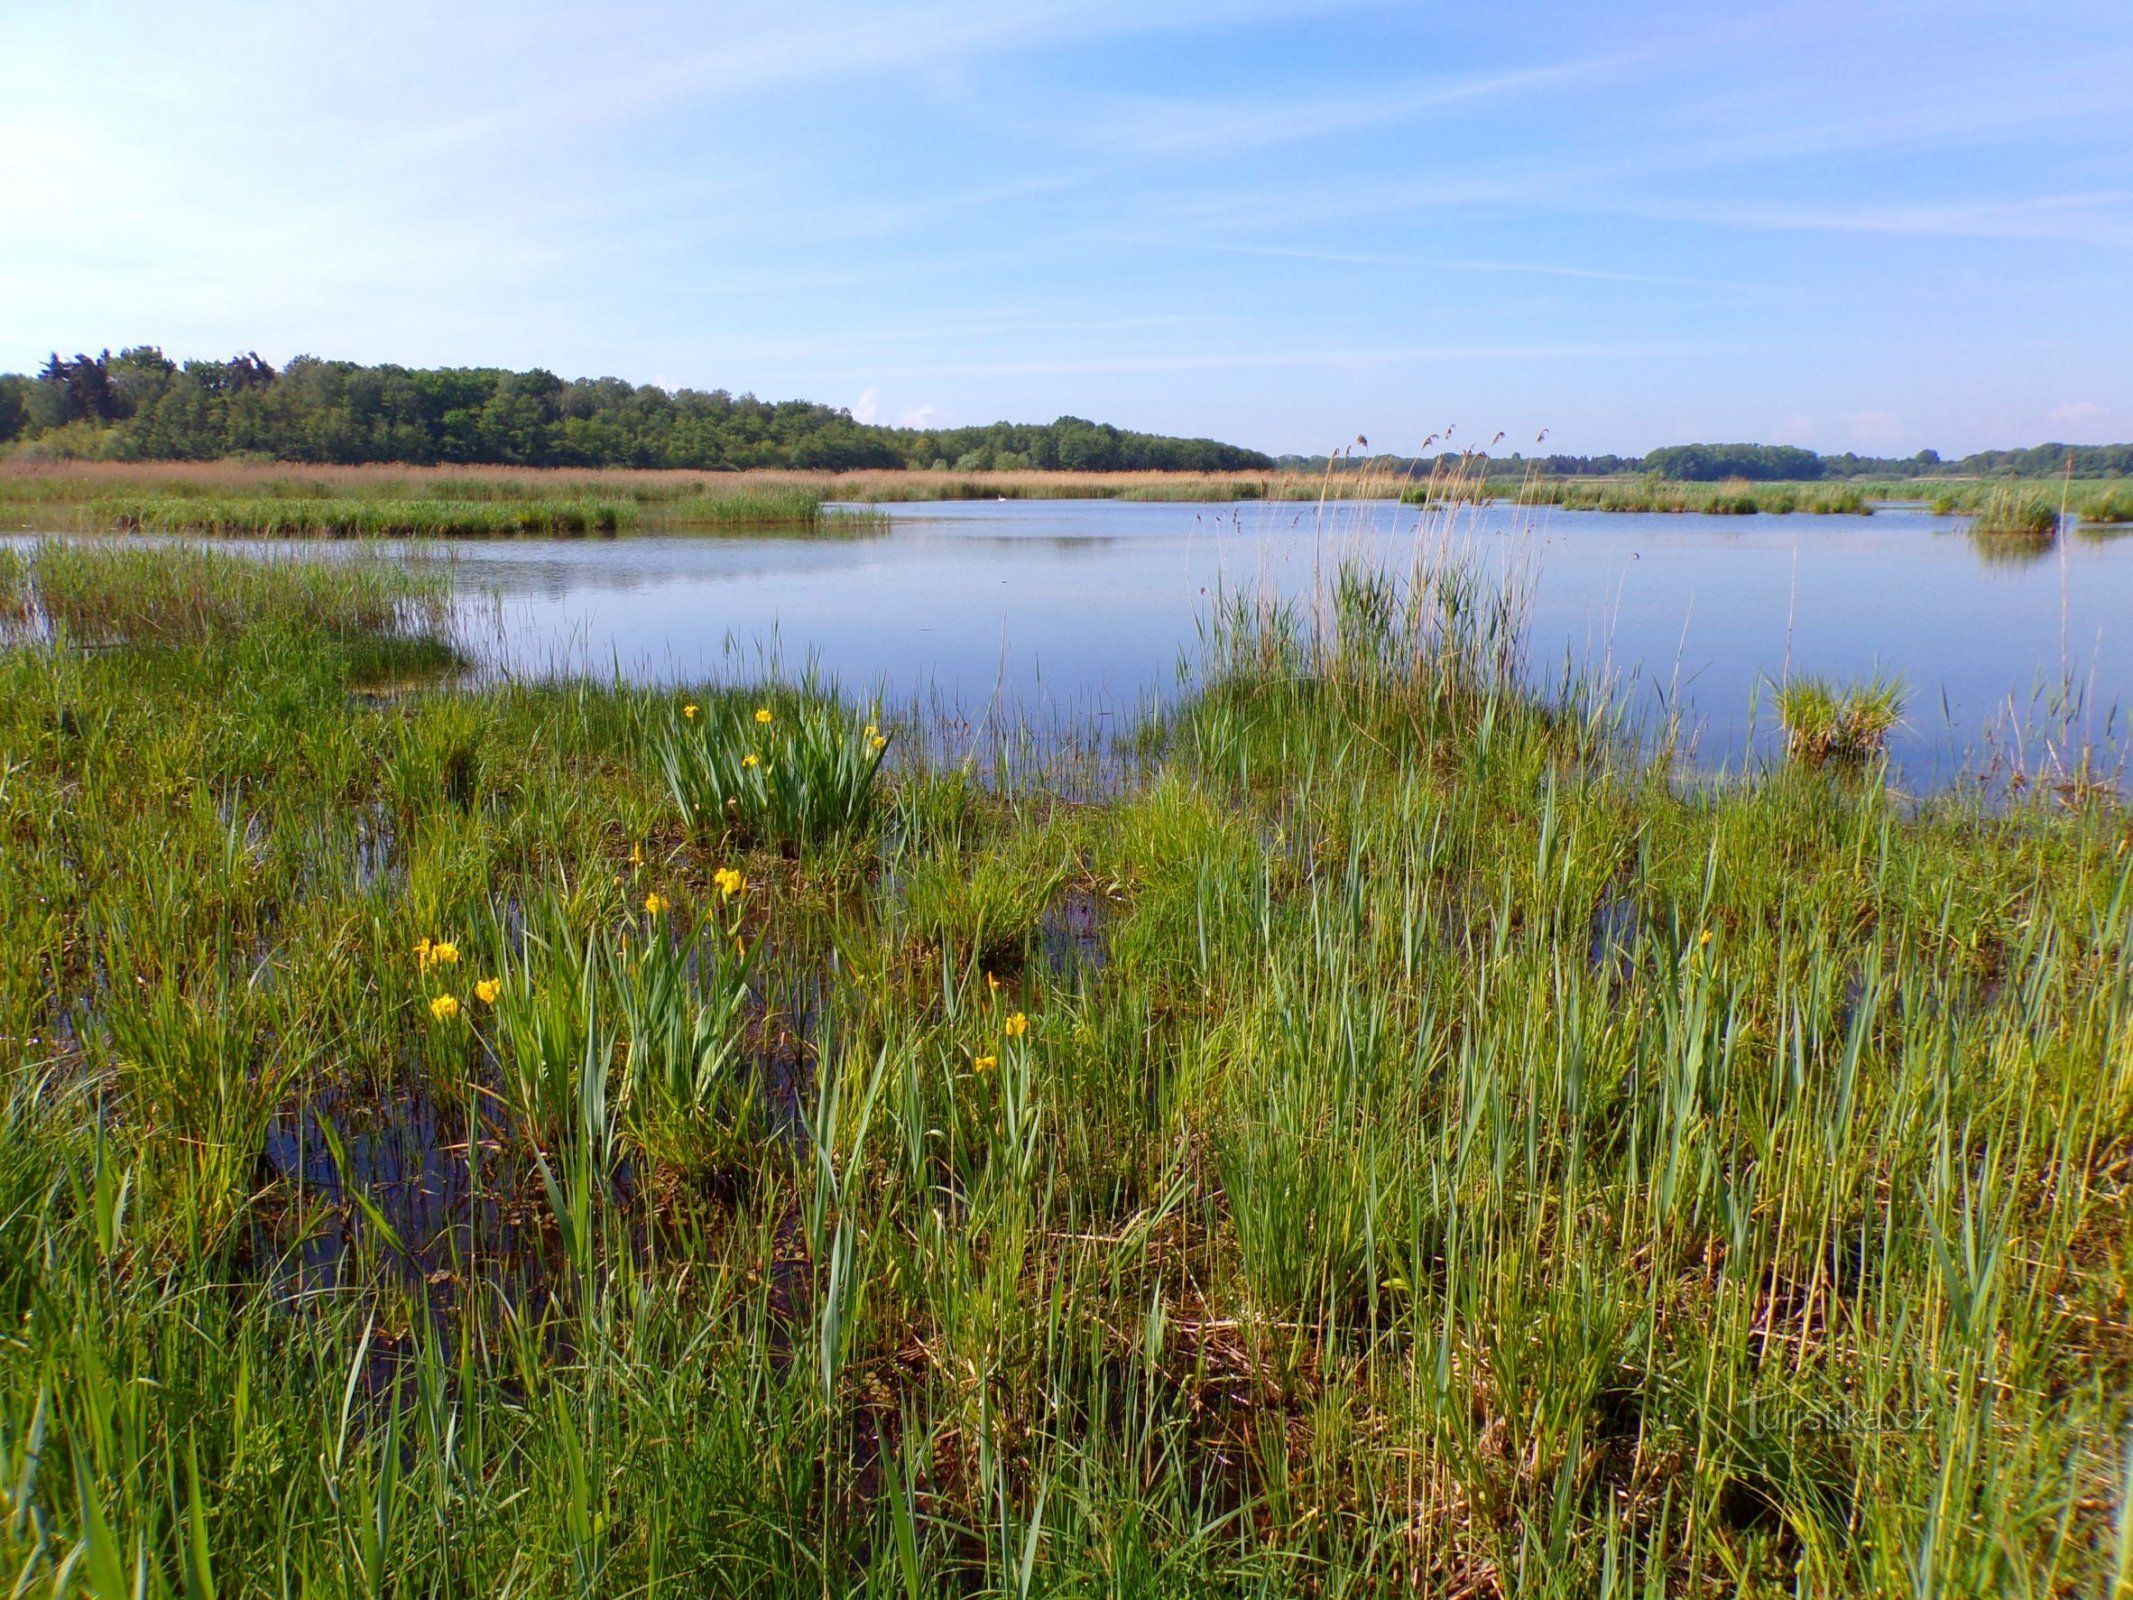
1874	226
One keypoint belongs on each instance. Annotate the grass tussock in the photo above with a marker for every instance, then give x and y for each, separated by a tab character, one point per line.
799	775
2112	508
1453	1159
1847	727
2015	514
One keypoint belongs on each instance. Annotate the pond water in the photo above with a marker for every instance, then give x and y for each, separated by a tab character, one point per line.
1066	611
1077	614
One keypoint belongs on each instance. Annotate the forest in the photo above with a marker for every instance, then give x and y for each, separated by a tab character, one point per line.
1718	463
141	406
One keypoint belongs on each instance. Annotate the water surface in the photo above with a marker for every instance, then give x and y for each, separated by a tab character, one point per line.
1076	609
1082	613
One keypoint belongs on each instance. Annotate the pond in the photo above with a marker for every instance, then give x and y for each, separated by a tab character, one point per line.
1071	611
1077	615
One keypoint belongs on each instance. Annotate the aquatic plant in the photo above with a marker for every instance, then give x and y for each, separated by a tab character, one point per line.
683	992
1734	498
802	775
113	594
2110	507
2014	515
1848	726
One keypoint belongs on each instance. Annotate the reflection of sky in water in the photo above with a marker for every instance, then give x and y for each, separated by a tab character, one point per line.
1071	608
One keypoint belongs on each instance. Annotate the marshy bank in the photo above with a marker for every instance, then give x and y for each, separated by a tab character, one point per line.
238	497
587	1137
235	500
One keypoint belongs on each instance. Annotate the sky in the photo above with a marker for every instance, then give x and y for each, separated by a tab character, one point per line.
1878	226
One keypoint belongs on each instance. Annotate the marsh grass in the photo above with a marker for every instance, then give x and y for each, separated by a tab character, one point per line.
791	773
1737	498
291	518
1848	727
230	500
2013	514
2110	508
15	601
1351	1228
114	594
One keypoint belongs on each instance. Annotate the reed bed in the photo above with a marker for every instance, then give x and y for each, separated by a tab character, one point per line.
2109	508
2022	500
1706	499
1400	1143
120	596
404	503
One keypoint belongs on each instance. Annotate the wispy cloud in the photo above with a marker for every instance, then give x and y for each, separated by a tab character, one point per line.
1540	269
1217	214
1274	359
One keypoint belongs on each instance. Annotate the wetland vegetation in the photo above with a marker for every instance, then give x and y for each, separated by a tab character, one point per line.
238	500
566	1137
221	499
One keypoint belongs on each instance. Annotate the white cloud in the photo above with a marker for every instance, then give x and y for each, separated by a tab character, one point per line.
867	408
919	416
1882	431
2075	414
1799	428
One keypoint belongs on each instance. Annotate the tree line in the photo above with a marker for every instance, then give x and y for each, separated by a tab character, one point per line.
1717	463
141	406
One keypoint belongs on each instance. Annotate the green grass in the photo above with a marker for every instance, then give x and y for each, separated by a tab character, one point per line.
359	518
1825	724
379	506
2110	508
1363	1222
2015	514
1708	499
114	594
800	775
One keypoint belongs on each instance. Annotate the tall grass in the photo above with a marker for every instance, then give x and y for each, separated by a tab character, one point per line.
399	502
1474	1165
1848	726
803	774
114	594
2015	514
278	517
1738	498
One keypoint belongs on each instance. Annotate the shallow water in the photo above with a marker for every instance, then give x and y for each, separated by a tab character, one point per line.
1066	610
1059	613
